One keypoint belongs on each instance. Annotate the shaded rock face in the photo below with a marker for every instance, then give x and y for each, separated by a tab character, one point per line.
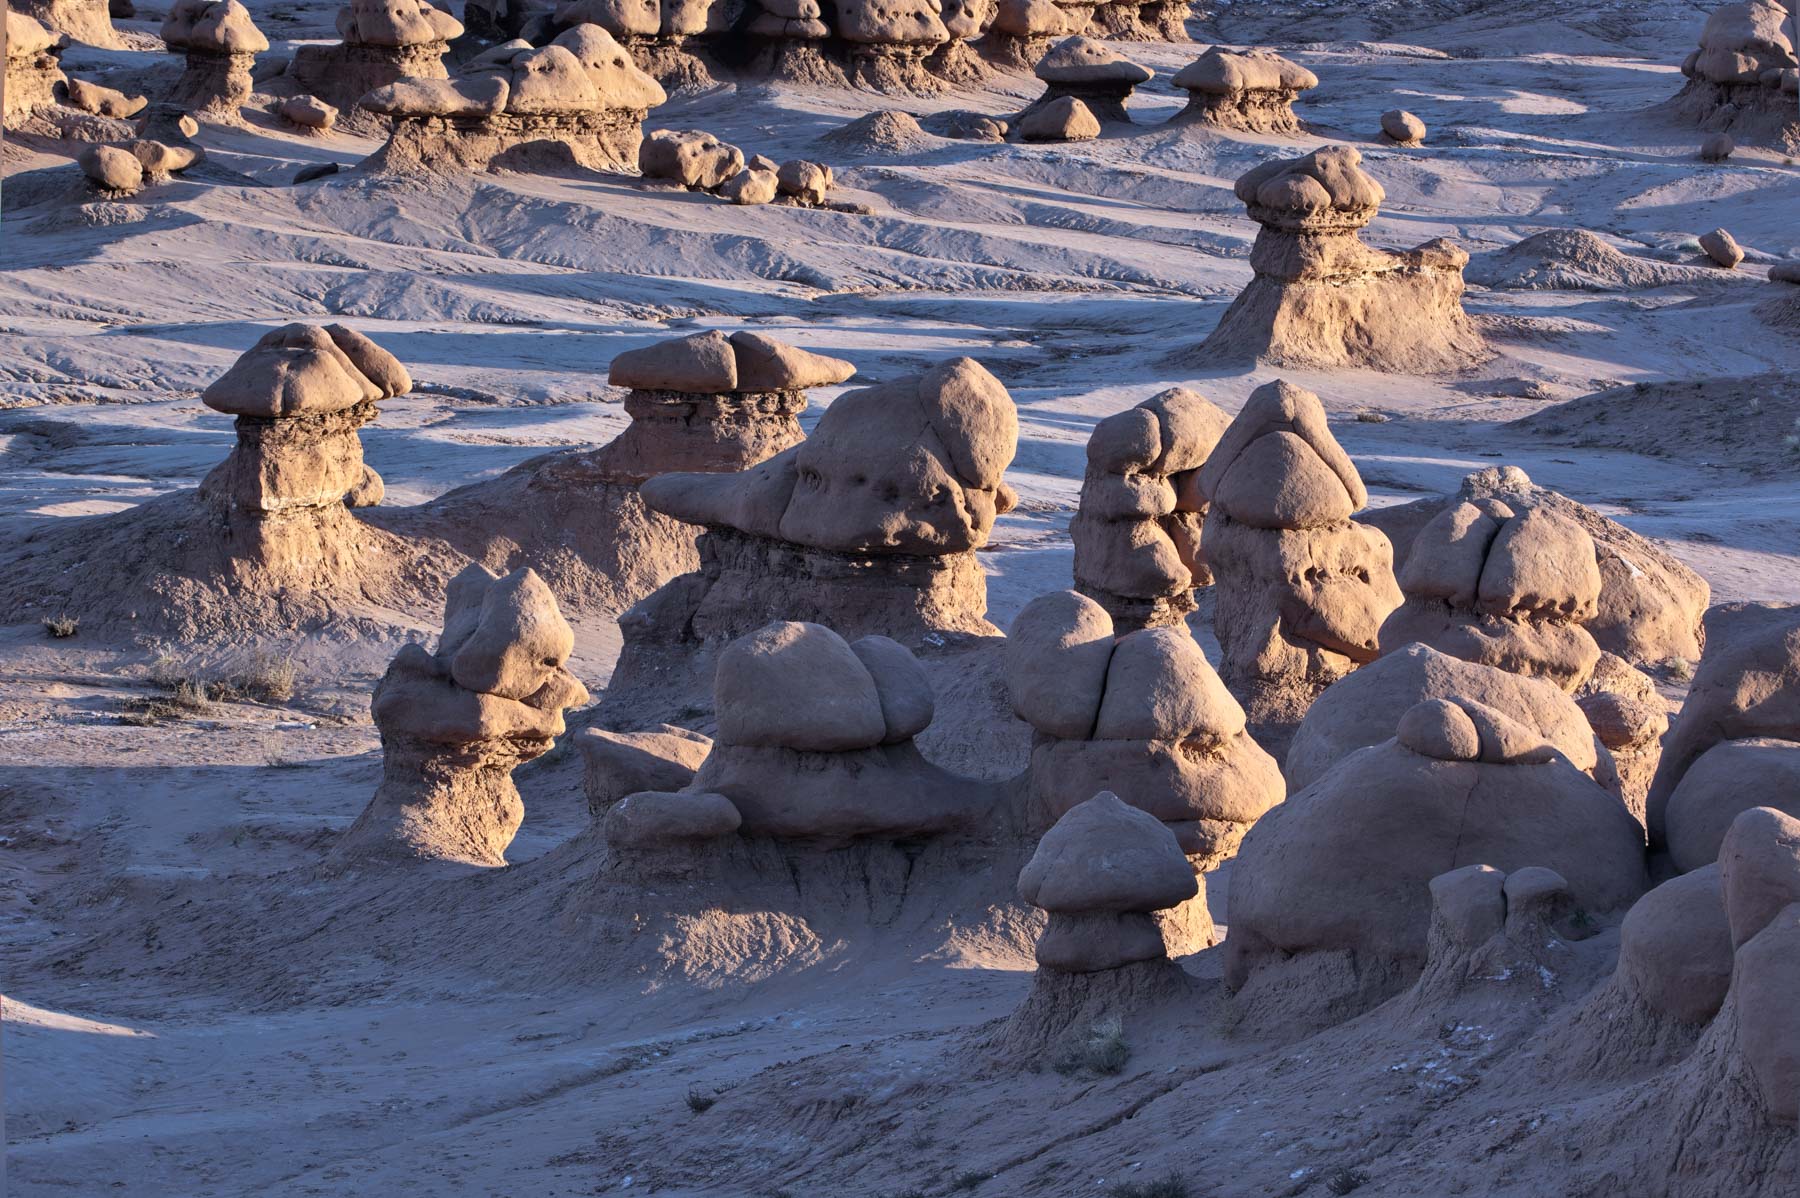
88	21
385	42
1744	77
1301	589
1022	31
1252	90
1144	717
299	394
703	403
221	43
33	66
455	724
1505	589
1650	604
579	101
869	525
1090	72
1137	532
815	745
1100	872
1345	866
917	46
1141	20
1734	745
1321	298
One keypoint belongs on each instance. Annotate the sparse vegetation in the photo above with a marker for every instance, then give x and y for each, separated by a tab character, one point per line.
699	1100
970	1180
1680	669
61	626
1103	1050
264	677
1346	1180
1169	1185
1371	418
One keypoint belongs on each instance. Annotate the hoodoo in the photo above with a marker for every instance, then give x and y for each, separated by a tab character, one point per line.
221	43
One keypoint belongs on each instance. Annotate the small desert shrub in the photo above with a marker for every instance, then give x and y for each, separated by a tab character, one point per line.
1345	1181
266	677
699	1100
970	1180
61	626
1680	669
1167	1186
1371	418
1102	1051
179	699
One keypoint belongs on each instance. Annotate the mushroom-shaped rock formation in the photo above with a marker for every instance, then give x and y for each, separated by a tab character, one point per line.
1744	76
1091	72
1503	588
1344	866
456	723
870	525
221	43
1137	532
1364	709
815	741
1736	741
1301	589
1322	298
87	21
581	99
1650	604
385	42
709	402
787	39
1144	717
1023	30
662	37
1100	872
1251	90
889	41
299	395
33	68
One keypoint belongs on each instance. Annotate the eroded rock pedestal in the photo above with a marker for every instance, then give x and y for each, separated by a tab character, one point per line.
221	43
579	101
455	724
1301	589
385	41
33	68
1744	77
1321	298
662	37
1144	717
1091	72
1252	90
87	21
1137	532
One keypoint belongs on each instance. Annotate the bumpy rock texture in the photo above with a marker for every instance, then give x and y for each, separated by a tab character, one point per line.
1301	589
1736	743
33	68
1744	76
581	100
385	42
1503	588
1252	90
1321	298
87	21
665	37
870	525
1144	717
1089	71
1100	872
709	402
455	724
1344	866
221	43
1137	533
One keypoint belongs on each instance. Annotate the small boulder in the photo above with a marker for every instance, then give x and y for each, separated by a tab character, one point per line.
805	181
750	187
309	112
1722	248
112	168
104	101
1064	119
670	817
1402	127
1717	148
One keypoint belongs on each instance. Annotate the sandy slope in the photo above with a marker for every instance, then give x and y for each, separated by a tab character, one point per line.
234	1030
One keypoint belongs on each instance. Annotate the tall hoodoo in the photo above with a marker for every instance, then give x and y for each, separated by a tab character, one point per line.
1137	532
1251	90
1301	588
1503	588
1322	298
455	724
1744	76
582	93
221	43
385	41
1144	717
1091	72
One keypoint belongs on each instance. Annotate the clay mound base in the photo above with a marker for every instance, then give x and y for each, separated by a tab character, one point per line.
1575	260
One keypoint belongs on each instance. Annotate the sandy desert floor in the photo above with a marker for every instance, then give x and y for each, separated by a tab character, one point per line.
183	1017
